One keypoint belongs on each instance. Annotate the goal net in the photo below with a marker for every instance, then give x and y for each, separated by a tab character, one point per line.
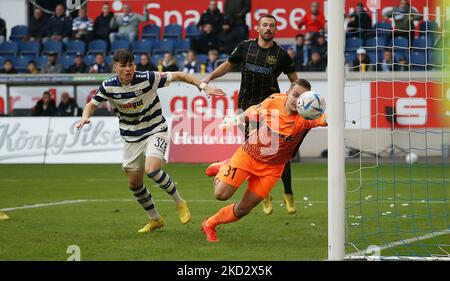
397	143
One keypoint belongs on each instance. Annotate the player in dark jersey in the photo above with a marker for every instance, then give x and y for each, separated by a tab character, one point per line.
261	61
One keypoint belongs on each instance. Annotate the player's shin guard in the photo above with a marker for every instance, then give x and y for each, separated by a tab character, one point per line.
224	215
166	183
144	198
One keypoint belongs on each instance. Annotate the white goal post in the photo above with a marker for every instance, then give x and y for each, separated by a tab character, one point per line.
336	118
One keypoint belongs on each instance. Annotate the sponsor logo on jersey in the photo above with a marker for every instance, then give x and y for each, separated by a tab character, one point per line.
271	59
138	92
132	105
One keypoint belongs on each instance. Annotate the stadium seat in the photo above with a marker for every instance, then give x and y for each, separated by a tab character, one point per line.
418	60
75	46
9	48
41	61
182	46
21	63
172	31
142	46
155	59
89	59
109	59
52	45
372	54
97	46
180	60
18	32
202	58
151	31
67	61
353	43
192	31
349	57
401	48
383	29
163	46
29	48
119	44
377	41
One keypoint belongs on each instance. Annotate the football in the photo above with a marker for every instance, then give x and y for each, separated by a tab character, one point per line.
310	105
411	158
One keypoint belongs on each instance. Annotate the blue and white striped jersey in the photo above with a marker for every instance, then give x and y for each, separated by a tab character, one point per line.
136	104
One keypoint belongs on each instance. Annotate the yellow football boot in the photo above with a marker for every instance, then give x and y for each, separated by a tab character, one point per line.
267	205
152	225
289	203
183	212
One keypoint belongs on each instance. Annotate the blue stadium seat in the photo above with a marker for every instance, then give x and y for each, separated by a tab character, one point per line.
75	46
349	57
67	60
163	46
9	48
29	48
192	31
18	32
182	46
142	46
41	61
151	31
372	54
419	43
180	60
119	44
21	63
400	41
155	59
172	31
97	46
89	59
52	45
353	43
202	58
383	29
109	59
377	41
418	60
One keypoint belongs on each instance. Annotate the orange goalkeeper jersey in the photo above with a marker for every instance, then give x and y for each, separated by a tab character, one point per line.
279	134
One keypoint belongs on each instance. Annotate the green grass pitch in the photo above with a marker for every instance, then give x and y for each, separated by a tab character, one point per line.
105	220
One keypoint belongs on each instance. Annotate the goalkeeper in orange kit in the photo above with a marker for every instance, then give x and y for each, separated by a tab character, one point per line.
262	157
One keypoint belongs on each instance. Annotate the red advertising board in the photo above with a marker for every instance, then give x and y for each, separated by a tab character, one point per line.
413	104
288	13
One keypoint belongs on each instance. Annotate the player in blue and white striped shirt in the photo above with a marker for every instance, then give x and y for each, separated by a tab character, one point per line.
133	96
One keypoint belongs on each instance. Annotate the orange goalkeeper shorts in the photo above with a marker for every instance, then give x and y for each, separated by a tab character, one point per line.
261	177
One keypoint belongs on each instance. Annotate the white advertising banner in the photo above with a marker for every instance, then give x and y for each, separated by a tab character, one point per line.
23	140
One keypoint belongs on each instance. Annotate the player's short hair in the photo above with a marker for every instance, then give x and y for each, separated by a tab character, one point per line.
267	16
123	56
302	83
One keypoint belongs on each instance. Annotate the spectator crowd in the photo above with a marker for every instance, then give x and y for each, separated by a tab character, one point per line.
68	43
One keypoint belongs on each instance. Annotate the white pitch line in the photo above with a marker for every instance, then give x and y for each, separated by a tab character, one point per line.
405	242
76	201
